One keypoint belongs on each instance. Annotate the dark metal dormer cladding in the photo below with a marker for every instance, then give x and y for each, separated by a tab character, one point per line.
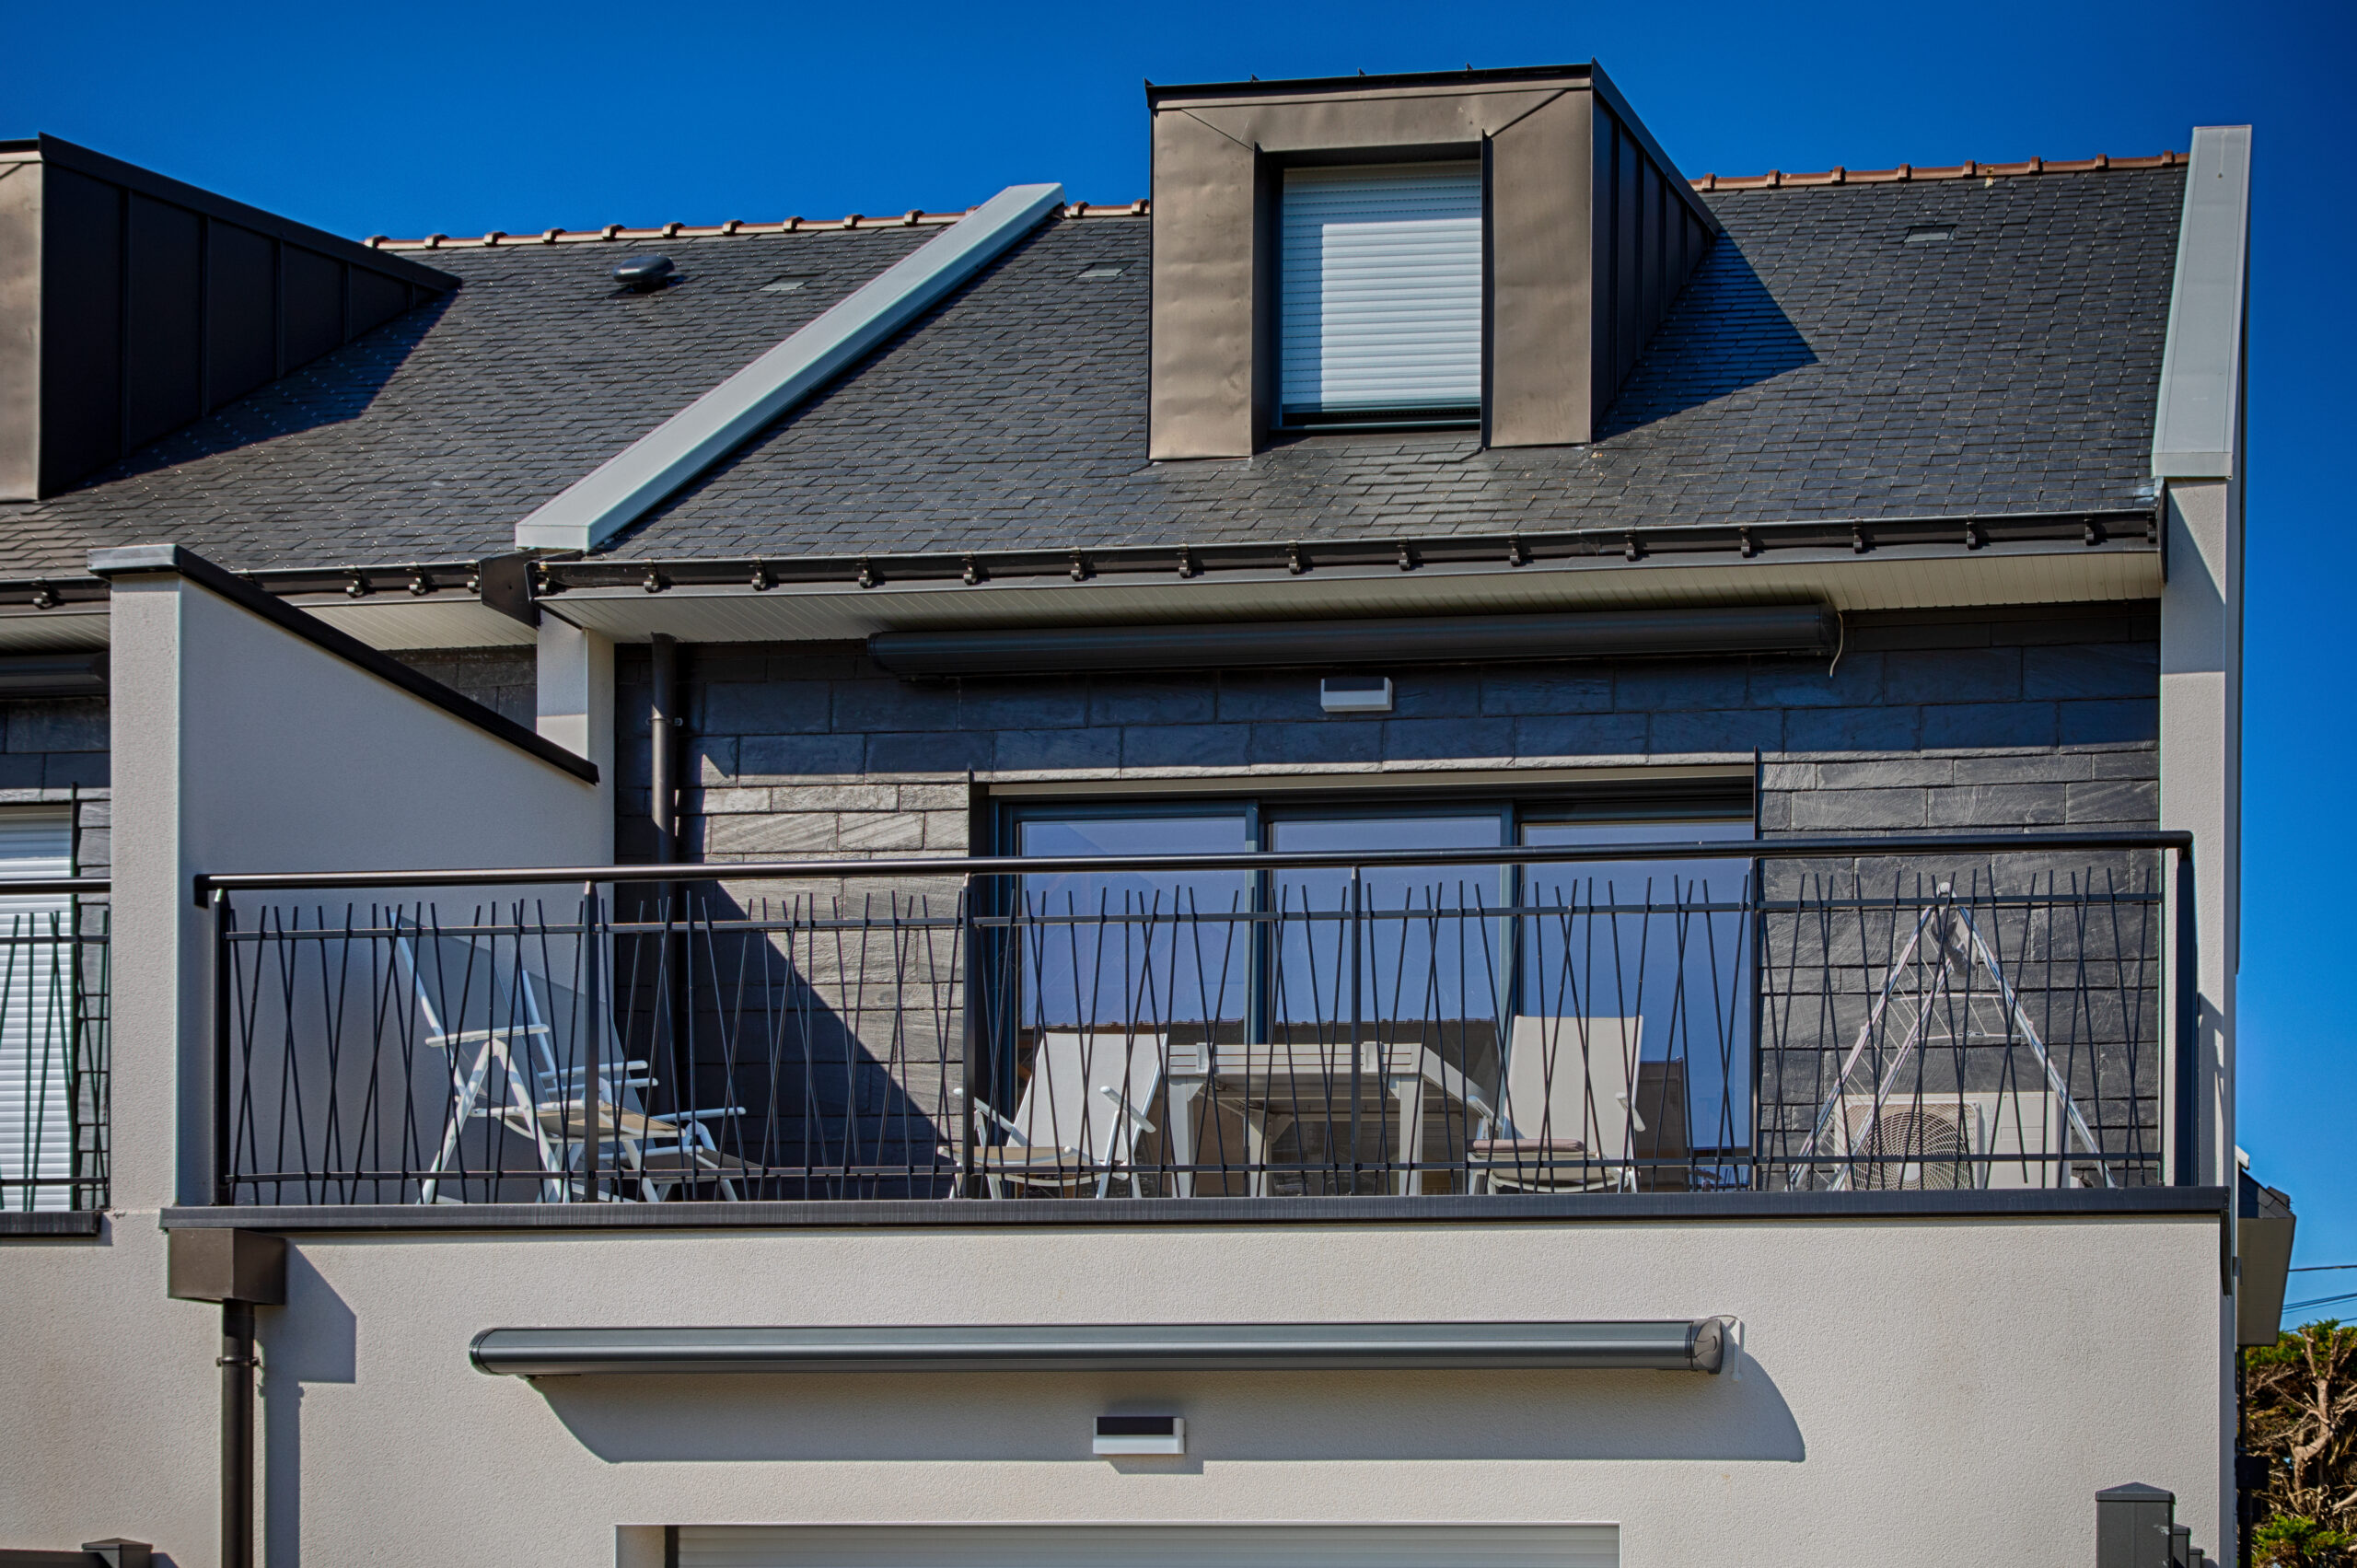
132	304
1588	232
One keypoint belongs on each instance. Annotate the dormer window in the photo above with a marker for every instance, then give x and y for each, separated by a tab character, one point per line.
1482	249
1380	280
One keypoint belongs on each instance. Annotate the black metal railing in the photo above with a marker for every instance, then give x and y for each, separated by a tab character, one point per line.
1800	1014
54	1044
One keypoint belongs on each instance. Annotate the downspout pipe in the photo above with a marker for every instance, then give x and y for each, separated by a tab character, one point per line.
662	713
241	1270
238	1363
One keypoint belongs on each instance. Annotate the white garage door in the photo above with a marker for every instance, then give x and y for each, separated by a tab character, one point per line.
1149	1546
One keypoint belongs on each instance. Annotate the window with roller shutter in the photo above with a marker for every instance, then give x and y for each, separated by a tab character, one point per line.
36	1015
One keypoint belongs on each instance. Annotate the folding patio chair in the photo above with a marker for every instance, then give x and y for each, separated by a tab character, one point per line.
1079	1119
1569	1119
508	1073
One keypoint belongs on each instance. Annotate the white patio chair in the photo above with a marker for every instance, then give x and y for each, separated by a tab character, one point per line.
509	1074
1079	1119
1568	1120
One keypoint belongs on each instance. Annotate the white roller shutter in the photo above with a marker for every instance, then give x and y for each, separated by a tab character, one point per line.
35	1013
1381	285
1149	1546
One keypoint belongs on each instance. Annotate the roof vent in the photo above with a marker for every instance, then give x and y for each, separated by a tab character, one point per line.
645	274
786	285
1931	233
1104	270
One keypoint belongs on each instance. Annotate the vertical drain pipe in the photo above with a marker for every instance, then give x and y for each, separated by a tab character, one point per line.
236	1434
663	810
239	1268
663	677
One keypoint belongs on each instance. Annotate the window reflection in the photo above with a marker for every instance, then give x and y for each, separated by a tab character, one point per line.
1652	955
1106	950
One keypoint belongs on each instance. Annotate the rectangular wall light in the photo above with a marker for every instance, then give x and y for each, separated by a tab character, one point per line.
1355	694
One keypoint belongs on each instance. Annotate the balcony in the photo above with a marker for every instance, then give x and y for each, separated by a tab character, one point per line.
1957	1013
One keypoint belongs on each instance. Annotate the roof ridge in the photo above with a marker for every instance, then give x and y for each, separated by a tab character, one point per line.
1775	178
913	218
1968	170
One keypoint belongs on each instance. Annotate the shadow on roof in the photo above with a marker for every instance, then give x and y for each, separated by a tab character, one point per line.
334	387
1727	333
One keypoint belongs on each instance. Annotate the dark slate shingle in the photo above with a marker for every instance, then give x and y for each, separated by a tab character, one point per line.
1816	366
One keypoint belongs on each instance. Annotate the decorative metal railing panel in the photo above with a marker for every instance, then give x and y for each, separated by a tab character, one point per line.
1524	1022
54	1051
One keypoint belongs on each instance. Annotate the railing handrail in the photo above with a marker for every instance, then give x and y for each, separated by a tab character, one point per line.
21	887
207	883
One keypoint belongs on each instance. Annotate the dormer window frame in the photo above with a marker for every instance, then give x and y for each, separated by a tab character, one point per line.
1277	417
1588	233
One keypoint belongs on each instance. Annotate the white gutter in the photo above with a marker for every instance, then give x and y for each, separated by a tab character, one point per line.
2195	430
634	480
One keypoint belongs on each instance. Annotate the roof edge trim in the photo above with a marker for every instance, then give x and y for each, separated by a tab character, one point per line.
1570	72
633	481
63	154
2197	428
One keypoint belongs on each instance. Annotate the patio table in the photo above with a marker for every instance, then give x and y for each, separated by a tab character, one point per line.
1277	1083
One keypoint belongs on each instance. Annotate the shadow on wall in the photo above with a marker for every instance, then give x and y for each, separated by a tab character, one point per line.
838	1081
1230	1416
313	1339
1727	333
336	387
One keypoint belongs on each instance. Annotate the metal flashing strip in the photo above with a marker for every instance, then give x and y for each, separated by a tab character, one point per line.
137	559
1695	1345
2197	428
1492	779
623	489
2014	1205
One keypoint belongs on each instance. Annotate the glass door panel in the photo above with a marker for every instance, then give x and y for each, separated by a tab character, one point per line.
1407	964
1108	949
1634	988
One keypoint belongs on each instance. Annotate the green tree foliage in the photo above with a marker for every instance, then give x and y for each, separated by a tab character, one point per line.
2294	1540
2300	1401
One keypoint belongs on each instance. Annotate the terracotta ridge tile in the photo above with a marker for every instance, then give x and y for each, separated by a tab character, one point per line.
1776	178
735	228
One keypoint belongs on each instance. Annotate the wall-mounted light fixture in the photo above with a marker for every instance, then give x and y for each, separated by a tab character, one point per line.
1141	1435
1355	694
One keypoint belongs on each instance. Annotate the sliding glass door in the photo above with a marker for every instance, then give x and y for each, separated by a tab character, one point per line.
1379	1028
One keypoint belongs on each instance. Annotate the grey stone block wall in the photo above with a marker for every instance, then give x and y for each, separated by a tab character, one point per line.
53	750
2031	717
53	744
504	679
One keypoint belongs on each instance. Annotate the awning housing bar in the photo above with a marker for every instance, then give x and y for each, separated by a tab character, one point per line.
1694	1345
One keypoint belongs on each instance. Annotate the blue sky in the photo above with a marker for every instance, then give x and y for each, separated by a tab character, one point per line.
518	116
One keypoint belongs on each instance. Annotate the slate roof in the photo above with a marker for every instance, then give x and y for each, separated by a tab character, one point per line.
1817	366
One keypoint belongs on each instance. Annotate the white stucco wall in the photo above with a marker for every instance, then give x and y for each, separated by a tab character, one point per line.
1926	1392
237	746
1922	1392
